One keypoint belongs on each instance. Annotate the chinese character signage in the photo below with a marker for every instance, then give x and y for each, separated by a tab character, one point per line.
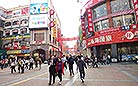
136	8
38	21
90	26
114	37
83	26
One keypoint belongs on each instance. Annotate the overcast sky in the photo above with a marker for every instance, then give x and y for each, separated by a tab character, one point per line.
67	10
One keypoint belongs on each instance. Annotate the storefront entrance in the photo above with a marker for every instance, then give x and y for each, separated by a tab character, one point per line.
39	53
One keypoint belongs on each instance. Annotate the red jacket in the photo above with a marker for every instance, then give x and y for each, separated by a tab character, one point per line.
61	67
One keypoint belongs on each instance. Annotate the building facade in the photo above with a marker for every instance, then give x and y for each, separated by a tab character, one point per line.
16	34
2	18
110	27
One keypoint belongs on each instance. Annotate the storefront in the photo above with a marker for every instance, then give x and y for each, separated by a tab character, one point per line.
115	42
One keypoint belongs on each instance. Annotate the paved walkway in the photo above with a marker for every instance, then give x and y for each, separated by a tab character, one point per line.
114	75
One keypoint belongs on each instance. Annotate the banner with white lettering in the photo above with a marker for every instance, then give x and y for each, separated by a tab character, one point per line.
83	26
116	37
136	8
90	26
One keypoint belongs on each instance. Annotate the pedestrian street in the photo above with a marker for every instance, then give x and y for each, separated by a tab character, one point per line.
116	74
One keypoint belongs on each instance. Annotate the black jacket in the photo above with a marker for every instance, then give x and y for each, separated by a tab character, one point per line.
52	69
81	64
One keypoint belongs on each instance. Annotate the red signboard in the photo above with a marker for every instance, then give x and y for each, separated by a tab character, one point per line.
90	26
25	11
136	8
115	37
83	26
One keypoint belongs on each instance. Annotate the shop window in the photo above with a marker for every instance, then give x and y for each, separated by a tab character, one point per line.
99	11
105	24
129	19
101	25
120	5
118	21
123	20
38	36
97	26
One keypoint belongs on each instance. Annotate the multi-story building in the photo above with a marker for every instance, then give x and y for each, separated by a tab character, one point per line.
2	19
16	34
28	32
110	27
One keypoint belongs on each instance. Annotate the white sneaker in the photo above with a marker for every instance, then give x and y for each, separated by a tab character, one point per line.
82	80
59	83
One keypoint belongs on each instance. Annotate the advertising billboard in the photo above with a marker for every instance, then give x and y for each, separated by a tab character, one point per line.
38	8
38	21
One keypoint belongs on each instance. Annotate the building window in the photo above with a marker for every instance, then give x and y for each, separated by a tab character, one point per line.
120	5
15	32
23	30
129	19
24	22
7	32
118	21
97	26
123	20
7	24
99	11
105	24
15	22
101	25
38	36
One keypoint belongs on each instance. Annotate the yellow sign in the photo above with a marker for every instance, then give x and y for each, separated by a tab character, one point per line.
13	51
54	32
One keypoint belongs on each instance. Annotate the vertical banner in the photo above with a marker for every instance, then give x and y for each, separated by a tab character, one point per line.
83	27
54	32
90	26
136	8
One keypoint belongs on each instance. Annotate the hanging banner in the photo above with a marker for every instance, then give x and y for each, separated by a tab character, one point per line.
90	26
67	39
54	32
83	26
136	8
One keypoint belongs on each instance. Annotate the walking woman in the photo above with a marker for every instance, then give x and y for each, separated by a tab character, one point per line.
60	69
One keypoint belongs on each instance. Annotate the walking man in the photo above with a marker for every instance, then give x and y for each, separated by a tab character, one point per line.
71	62
52	71
80	65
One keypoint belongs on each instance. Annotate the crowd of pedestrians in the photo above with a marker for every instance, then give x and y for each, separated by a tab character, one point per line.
57	65
20	64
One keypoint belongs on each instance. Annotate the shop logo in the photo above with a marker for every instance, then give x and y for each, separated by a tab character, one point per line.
129	35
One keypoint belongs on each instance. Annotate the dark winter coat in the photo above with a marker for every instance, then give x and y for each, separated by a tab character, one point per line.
52	69
81	64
